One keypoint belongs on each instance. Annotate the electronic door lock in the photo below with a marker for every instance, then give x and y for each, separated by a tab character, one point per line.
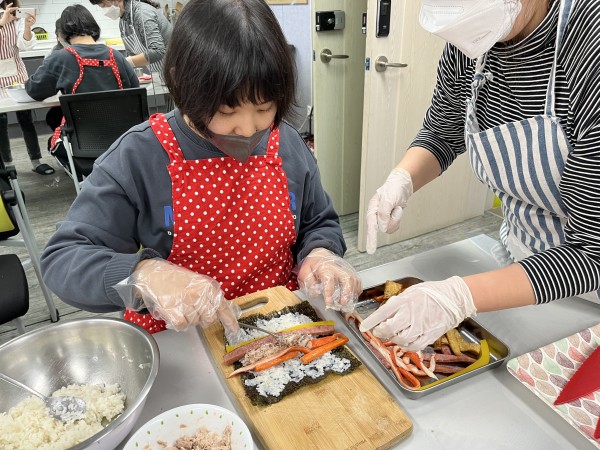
384	12
330	20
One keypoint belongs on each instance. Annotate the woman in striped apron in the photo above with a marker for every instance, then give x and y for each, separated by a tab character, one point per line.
540	163
144	29
15	35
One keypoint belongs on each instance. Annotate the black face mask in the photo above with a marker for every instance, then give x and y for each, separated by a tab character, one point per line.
238	147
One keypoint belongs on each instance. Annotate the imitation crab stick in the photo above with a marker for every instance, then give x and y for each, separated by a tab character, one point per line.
274	362
416	359
266	360
319	351
402	373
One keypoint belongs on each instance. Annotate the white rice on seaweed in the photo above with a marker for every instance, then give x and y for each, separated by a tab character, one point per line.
272	382
275	324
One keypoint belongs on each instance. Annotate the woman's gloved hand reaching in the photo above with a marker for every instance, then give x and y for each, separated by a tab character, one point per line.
179	296
422	313
385	207
325	273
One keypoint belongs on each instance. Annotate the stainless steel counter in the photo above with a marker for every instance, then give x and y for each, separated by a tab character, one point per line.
491	411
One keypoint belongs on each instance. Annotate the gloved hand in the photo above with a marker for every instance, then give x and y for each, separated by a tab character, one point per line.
179	296
385	207
325	273
422	313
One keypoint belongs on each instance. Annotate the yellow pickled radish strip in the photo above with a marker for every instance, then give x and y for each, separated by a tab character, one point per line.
230	348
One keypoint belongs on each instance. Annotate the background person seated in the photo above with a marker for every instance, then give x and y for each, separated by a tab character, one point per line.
83	66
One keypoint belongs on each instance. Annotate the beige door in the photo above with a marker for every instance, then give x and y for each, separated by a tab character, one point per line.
395	103
338	102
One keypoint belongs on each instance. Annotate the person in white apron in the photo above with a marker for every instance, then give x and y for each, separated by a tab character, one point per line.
544	176
15	35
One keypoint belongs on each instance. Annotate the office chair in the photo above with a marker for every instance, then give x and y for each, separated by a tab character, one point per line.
14	297
94	121
14	220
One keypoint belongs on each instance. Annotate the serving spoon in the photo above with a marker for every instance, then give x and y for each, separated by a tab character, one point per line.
63	408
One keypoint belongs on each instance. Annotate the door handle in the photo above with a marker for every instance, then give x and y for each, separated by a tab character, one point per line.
381	64
327	56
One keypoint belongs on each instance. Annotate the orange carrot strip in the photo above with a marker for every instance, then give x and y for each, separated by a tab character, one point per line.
319	351
314	343
275	361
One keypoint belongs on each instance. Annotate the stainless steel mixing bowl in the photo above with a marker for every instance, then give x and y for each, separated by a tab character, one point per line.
86	351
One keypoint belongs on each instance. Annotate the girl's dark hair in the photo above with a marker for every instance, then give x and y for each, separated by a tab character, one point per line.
150	2
76	20
228	52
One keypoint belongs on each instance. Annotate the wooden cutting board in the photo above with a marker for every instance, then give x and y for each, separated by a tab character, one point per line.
340	412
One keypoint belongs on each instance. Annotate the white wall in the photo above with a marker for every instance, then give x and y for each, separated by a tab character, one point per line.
50	10
294	20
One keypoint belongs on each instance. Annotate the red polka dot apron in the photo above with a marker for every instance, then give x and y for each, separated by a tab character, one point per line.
232	220
82	62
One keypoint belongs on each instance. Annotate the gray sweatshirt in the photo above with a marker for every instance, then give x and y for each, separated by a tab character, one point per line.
126	204
59	73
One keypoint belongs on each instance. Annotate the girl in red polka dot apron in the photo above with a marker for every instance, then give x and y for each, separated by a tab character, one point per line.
82	62
232	220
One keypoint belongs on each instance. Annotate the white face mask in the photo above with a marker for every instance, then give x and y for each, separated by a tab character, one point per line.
112	12
473	26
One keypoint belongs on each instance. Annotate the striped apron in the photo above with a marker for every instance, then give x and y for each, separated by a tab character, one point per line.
522	163
12	68
132	42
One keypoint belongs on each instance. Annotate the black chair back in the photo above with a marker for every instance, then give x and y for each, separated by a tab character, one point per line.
14	300
95	120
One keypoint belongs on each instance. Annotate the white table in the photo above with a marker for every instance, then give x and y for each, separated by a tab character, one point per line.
490	411
7	104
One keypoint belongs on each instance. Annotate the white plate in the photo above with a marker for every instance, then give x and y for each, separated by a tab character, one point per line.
184	421
19	95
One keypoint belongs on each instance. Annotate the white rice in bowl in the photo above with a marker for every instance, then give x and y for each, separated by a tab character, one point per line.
28	425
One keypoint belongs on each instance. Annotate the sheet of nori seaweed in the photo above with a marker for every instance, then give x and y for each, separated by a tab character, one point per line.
307	310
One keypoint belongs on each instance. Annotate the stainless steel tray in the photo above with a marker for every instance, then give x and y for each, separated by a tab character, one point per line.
469	329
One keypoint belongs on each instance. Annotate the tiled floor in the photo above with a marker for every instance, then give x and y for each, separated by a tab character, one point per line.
49	197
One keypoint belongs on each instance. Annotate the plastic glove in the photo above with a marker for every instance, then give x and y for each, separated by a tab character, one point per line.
325	273
179	296
385	207
422	313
